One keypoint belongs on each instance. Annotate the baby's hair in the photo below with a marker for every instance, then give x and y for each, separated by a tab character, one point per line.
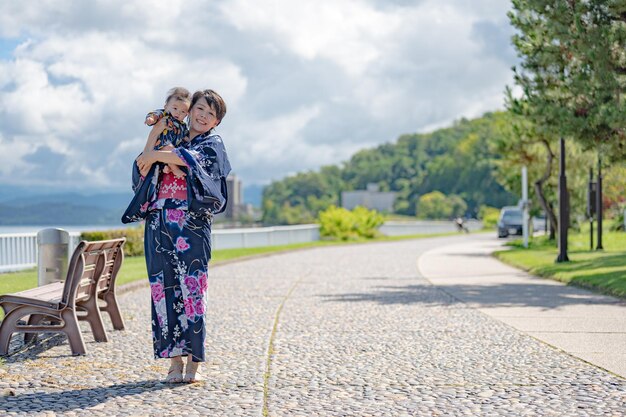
178	93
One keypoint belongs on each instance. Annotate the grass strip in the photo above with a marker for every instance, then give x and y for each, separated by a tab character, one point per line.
602	271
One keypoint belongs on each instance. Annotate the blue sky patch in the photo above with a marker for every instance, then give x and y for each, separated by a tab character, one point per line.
7	47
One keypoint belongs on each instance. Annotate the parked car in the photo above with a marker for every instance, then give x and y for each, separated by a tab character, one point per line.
510	221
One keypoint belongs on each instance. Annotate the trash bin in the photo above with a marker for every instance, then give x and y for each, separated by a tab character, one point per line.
52	260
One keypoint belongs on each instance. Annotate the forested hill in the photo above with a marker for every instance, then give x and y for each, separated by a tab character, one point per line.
454	160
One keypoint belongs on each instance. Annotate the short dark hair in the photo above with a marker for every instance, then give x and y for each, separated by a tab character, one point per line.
178	93
214	100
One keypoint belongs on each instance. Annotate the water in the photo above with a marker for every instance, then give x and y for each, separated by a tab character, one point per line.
72	228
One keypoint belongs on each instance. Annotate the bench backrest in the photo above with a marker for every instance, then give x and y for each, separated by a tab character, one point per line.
114	253
86	268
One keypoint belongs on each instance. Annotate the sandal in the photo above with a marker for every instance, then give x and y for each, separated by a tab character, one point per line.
175	373
191	372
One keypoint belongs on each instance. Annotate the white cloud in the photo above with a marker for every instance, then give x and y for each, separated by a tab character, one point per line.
307	83
280	142
11	162
350	33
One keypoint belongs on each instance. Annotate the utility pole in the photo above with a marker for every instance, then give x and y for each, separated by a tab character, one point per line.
525	205
599	204
563	207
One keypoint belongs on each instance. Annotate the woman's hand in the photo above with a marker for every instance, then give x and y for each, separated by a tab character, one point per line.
145	161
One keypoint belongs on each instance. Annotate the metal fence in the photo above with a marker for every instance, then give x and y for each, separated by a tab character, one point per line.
19	250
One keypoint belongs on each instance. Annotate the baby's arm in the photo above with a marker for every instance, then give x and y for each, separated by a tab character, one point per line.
154	135
153	117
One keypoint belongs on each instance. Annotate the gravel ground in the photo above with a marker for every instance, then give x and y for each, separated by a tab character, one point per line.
353	330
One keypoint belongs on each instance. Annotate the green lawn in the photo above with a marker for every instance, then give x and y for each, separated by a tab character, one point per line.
603	271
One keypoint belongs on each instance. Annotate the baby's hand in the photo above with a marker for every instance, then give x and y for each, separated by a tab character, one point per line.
175	169
150	120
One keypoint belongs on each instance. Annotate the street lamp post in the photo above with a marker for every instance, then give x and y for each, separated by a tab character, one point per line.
563	208
599	204
591	206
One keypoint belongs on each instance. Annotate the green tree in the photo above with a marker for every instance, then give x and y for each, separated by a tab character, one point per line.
458	206
572	81
573	70
434	205
455	160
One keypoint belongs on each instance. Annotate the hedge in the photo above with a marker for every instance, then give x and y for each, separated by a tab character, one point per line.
134	238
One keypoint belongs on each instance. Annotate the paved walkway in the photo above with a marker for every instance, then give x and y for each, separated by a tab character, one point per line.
587	325
352	331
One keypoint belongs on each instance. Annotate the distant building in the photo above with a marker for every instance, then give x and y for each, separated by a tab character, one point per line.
370	198
235	197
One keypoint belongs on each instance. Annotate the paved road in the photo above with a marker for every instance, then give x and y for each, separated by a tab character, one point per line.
352	330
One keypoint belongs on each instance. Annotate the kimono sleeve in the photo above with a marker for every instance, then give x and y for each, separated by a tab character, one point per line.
208	167
156	116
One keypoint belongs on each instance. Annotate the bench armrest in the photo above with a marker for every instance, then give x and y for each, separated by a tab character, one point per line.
19	300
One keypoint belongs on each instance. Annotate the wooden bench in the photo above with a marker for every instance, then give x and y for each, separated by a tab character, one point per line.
57	307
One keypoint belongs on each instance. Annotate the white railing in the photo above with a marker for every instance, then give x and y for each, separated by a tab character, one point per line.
264	236
426	227
19	250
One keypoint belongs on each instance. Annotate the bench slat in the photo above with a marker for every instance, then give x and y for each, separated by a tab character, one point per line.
40	292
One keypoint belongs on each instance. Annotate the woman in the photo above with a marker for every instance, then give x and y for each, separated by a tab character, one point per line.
178	235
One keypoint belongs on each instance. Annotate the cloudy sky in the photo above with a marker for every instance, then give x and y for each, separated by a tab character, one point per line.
307	82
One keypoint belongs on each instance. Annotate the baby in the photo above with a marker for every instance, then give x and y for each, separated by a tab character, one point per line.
174	113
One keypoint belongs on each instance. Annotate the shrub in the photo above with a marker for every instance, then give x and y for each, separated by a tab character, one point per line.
618	220
341	224
134	238
437	205
489	216
433	205
367	222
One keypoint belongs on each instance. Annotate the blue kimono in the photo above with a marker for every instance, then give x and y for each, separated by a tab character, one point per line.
178	249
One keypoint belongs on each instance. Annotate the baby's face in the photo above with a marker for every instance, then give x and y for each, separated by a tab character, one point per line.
178	109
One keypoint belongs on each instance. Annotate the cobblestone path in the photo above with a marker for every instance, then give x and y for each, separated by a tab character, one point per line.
352	331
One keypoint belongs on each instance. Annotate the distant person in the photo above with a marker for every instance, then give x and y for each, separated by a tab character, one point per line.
178	234
460	224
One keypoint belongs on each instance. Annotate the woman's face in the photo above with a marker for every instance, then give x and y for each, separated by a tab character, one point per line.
202	117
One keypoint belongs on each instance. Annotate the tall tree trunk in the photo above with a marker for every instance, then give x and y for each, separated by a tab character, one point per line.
547	208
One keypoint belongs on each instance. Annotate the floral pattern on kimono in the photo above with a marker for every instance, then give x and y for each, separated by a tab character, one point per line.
178	249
